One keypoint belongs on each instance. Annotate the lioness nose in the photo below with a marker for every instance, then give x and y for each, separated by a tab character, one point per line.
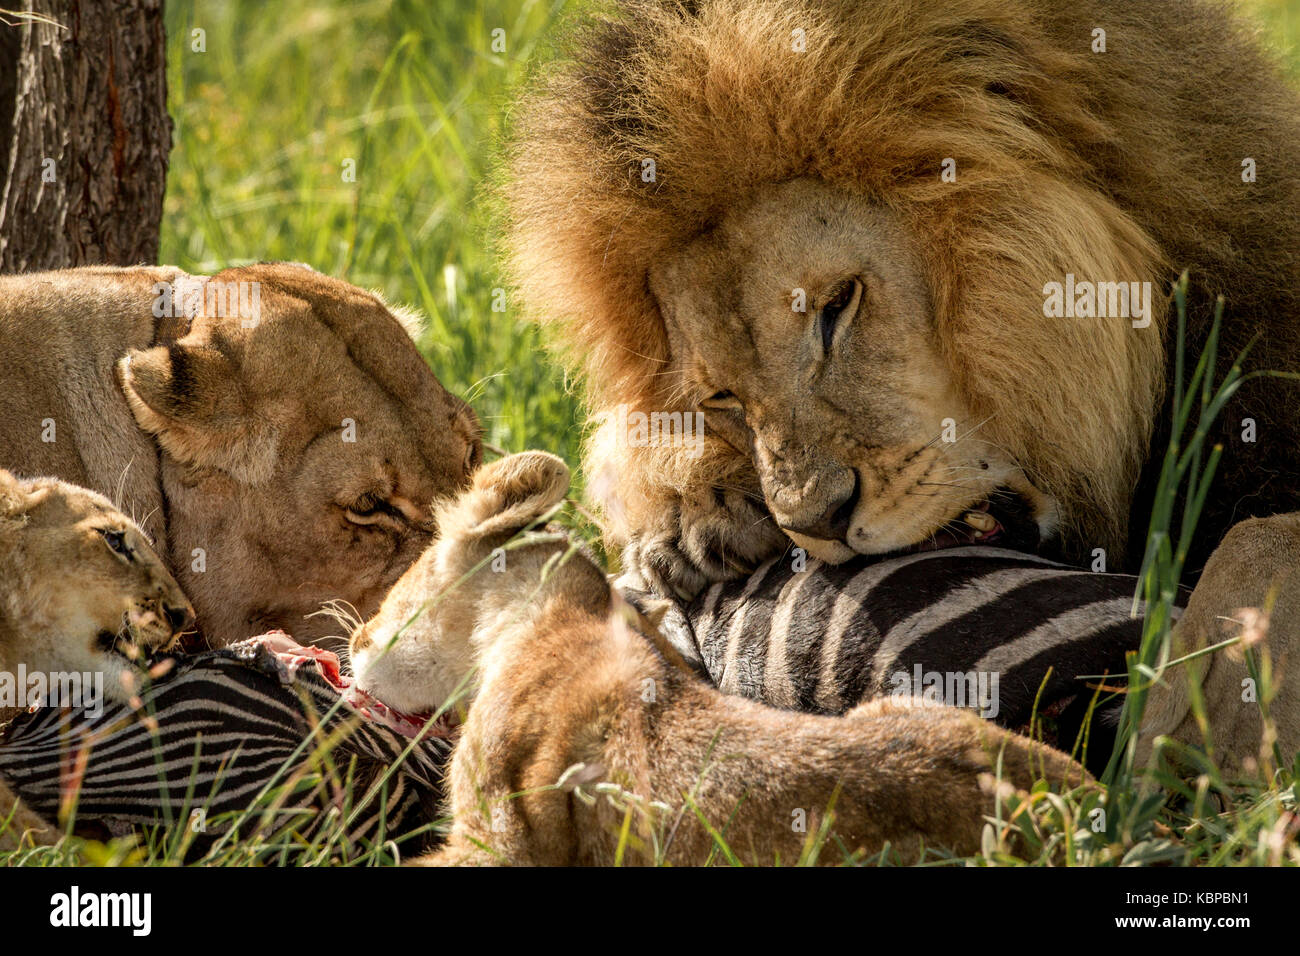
833	525
179	618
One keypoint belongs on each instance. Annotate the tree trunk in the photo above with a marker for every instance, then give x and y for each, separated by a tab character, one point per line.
84	134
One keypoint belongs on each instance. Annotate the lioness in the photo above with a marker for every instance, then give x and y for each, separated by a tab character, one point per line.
578	729
911	263
81	593
273	430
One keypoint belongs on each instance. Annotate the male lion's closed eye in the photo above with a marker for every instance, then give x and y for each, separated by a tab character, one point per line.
842	304
721	401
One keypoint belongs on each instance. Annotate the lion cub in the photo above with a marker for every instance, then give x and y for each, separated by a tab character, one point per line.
82	595
583	744
82	589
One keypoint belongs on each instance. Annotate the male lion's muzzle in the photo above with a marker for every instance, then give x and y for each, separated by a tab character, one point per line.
836	511
897	502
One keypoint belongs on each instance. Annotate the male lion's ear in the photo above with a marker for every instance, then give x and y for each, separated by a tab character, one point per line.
513	492
190	399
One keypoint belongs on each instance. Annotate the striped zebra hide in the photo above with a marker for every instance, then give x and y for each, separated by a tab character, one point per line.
222	733
973	626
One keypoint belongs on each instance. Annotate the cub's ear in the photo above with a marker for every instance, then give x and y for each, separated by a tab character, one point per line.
513	492
191	400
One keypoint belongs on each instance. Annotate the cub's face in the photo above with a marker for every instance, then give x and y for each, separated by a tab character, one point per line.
416	652
83	589
802	327
424	644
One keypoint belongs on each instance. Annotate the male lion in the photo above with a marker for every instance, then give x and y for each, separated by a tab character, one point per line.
81	593
911	261
273	430
578	731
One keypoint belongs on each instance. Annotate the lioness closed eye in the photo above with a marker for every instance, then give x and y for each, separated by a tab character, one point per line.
576	723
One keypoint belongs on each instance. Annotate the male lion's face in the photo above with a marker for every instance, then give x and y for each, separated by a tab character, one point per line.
802	326
83	590
303	453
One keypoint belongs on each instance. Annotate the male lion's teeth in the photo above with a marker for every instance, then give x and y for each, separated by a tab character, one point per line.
980	521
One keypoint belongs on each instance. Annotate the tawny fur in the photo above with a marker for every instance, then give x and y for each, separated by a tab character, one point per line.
1117	166
577	726
1254	572
224	437
62	588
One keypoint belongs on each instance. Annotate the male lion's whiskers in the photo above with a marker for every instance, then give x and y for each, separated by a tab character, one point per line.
678	391
648	358
960	438
963	501
976	427
747	493
992	444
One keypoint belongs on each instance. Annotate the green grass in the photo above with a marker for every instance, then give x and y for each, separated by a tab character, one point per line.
414	95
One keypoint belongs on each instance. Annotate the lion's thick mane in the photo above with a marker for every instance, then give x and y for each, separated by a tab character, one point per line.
1119	165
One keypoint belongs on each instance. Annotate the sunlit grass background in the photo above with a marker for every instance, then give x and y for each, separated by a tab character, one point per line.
285	94
412	93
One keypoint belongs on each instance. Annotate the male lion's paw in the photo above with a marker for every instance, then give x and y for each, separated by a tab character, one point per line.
718	536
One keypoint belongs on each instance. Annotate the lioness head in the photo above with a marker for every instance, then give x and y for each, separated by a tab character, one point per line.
302	447
422	646
82	588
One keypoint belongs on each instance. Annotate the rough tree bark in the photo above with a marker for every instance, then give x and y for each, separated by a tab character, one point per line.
84	134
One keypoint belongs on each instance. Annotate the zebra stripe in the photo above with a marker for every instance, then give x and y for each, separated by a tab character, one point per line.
829	637
223	725
728	678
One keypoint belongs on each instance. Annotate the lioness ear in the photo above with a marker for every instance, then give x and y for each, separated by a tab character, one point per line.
190	399
513	492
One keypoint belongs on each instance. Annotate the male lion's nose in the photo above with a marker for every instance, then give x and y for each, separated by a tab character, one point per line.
833	525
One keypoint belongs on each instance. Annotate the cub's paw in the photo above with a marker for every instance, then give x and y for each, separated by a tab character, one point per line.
509	494
719	535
